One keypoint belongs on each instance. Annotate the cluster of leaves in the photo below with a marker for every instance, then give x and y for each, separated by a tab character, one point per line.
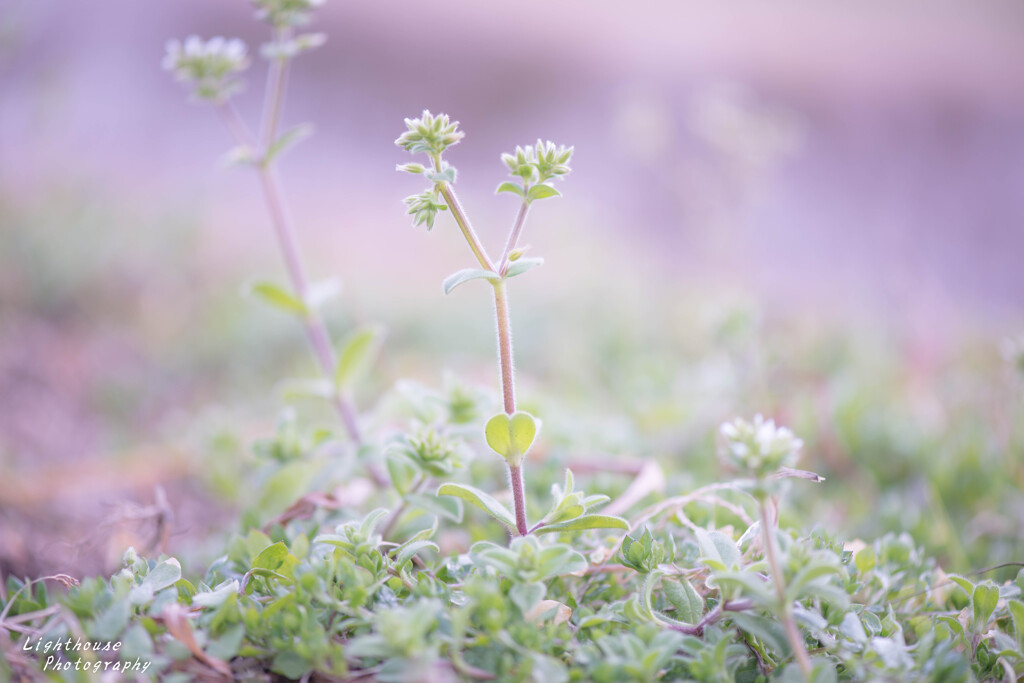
337	599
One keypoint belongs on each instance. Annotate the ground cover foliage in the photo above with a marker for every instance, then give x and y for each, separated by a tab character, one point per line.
443	533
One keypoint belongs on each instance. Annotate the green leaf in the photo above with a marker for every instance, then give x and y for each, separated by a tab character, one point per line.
276	296
985	597
447	507
509	186
511	436
689	605
526	595
718	549
288	140
522	265
407	551
1017	614
866	560
480	499
403	471
357	350
585	522
542	192
467	274
271	557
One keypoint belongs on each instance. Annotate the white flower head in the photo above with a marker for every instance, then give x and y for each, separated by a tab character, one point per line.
759	446
211	67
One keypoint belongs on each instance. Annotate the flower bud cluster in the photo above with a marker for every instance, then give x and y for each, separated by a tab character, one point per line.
423	207
759	447
210	67
429	134
539	163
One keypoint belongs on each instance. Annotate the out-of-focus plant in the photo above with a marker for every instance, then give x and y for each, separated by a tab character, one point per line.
509	434
212	70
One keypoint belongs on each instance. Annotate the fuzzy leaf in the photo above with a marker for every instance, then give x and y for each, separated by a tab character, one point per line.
586	522
542	192
357	351
984	599
509	186
276	296
511	436
689	606
522	265
467	274
482	500
288	139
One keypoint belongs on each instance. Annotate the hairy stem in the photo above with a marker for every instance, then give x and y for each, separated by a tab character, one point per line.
515	473
796	641
513	238
506	366
462	220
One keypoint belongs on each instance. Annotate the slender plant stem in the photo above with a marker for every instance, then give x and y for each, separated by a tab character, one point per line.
513	238
504	326
463	221
796	641
506	365
284	230
273	102
515	473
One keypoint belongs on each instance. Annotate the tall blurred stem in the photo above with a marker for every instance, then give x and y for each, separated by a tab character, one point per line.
771	552
284	230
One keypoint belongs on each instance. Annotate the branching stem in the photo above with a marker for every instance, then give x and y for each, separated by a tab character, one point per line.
503	323
284	230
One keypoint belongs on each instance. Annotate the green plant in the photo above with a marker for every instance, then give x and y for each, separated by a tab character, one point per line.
716	581
512	433
212	69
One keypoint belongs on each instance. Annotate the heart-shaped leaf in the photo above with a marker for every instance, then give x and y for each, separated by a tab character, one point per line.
511	436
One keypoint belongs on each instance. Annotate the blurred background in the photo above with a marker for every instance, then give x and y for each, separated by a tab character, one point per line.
811	211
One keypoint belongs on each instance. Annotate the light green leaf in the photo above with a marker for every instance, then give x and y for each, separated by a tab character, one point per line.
287	140
165	574
271	557
509	186
276	296
447	507
403	471
689	605
480	499
511	436
216	597
526	595
522	265
407	551
985	597
1017	614
586	522
357	351
718	549
542	192
467	274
